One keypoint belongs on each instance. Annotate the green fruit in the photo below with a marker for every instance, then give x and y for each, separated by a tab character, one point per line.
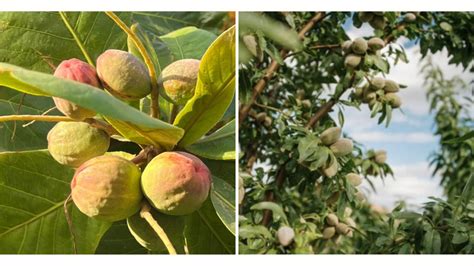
358	92
410	17
352	61
176	183
354	179
369	96
391	86
378	22
123	75
360	196
241	190
268	121
376	44
331	219
107	188
359	46
76	70
73	143
261	116
347	212
378	83
380	156
332	169
342	228
330	135
306	103
285	235
342	147
349	221
147	237
178	80
329	232
346	46
252	45
365	16
393	99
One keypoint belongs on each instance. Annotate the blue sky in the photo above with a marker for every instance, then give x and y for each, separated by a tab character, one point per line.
409	139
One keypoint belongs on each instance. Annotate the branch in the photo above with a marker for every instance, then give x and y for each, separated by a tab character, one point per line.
146	214
273	67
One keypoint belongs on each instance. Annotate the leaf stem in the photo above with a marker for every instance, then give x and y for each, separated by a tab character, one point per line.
155	110
76	38
146	214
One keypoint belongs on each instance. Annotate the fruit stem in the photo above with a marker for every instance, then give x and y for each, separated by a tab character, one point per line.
155	110
146	214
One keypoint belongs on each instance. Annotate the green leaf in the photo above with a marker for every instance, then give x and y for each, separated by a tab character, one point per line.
461	139
131	123
206	234
223	199
33	189
220	145
15	137
53	41
432	242
225	170
276	209
271	28
214	90
119	240
188	42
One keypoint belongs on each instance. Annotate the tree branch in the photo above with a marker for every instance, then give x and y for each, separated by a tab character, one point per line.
273	67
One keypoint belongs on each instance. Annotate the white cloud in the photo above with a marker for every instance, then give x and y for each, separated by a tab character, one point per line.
412	183
411	137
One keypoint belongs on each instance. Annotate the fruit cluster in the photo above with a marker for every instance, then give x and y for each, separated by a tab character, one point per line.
331	137
375	19
110	187
355	50
379	90
336	228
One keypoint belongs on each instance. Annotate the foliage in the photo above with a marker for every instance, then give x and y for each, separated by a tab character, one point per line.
289	97
34	187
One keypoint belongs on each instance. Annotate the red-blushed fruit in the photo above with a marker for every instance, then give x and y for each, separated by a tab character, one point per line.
176	183
178	80
76	70
107	188
147	237
123	75
73	143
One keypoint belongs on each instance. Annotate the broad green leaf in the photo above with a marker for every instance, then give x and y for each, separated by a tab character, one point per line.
188	42
119	240
225	170
161	23
214	90
276	209
15	137
33	188
41	40
223	199
432	242
220	145
131	123
206	234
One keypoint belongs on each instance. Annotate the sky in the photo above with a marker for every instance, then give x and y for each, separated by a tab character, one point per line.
409	139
